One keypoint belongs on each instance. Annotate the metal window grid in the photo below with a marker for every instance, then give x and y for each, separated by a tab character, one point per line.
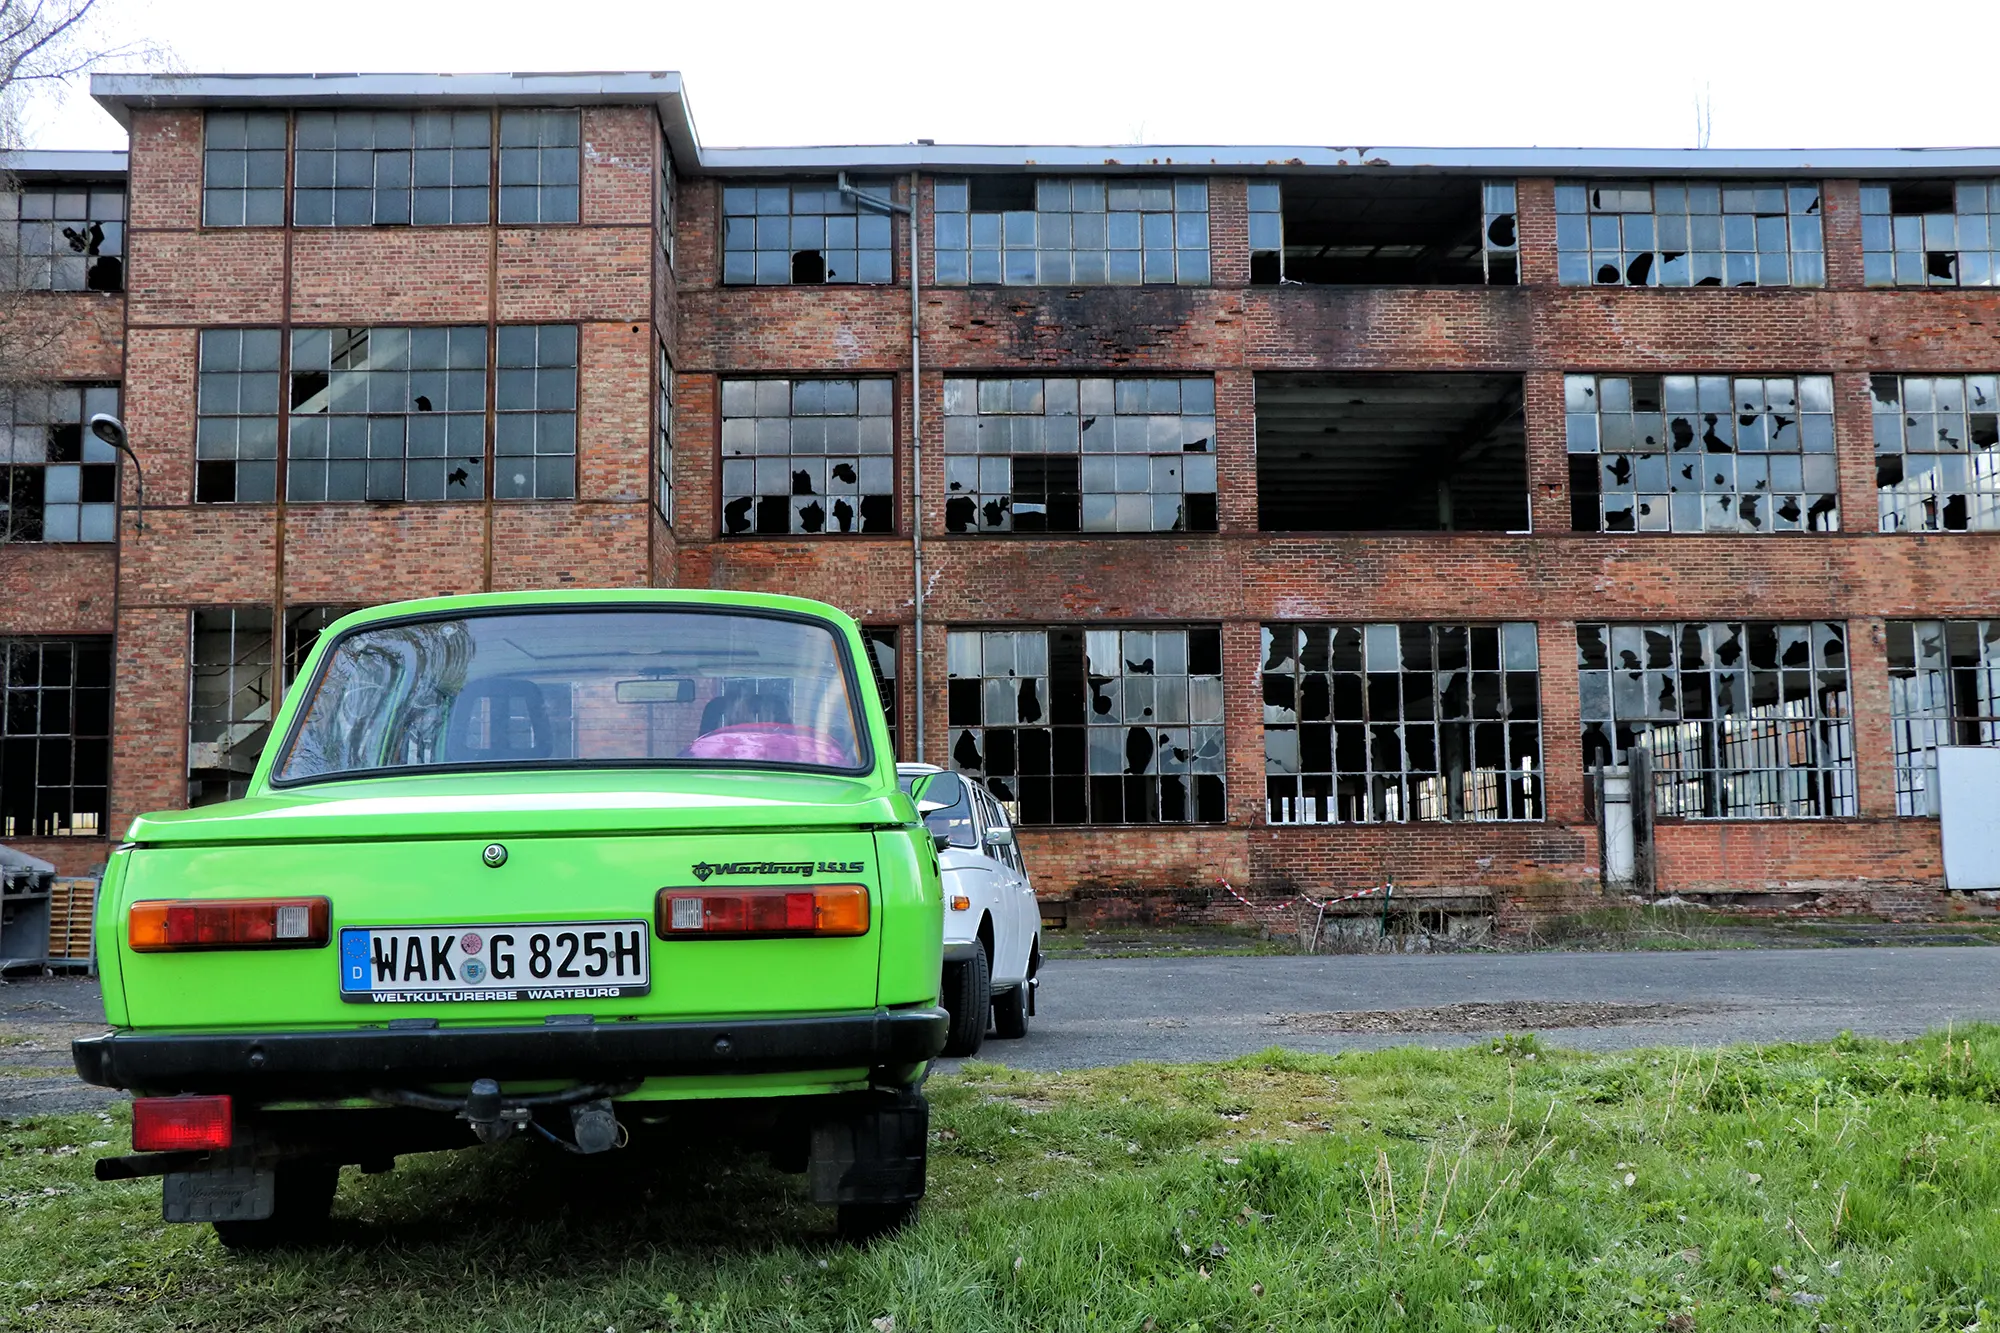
1702	453
236	426
1937	452
69	236
391	168
540	166
1944	689
534	442
1069	725
1392	723
1689	234
1744	720
1955	248
1089	232
243	169
55	737
808	456
773	234
387	414
58	482
1070	455
232	695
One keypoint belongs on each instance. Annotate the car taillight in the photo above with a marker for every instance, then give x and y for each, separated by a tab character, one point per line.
228	923
177	1124
827	909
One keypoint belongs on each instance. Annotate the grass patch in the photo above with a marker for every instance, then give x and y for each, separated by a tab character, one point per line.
1852	1185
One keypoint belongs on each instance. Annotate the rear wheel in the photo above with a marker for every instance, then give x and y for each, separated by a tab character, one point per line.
859	1223
302	1195
968	997
1011	1008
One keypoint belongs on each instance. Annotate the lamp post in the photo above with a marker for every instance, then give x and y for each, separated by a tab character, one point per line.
112	431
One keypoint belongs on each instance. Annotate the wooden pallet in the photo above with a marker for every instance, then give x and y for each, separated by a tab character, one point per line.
71	902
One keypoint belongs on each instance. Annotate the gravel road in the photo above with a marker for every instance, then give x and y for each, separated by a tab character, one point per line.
1108	1011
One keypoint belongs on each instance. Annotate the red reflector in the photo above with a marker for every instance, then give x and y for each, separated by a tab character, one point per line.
173	1124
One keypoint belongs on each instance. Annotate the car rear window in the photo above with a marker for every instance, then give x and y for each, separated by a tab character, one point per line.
580	689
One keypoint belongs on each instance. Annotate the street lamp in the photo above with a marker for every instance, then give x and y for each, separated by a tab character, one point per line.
112	431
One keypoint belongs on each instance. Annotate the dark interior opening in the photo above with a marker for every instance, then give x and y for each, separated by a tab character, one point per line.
1001	194
1921	197
808	266
1391	452
1387	230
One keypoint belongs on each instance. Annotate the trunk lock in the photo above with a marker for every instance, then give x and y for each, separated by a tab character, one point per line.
494	856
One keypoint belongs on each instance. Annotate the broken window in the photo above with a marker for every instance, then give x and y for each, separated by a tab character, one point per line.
231	696
303	626
1937	452
1931	233
1743	721
663	408
55	737
534	428
804	232
1689	234
1701	453
1371	724
387	414
1023	230
236	429
1944	689
391	168
1408	452
1091	726
808	456
1069	455
68	236
58	482
233	693
1382	229
243	169
881	641
540	166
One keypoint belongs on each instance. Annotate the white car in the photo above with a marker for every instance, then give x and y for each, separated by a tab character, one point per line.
992	923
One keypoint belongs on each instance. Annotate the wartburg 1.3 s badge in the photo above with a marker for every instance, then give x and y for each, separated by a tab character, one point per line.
803	869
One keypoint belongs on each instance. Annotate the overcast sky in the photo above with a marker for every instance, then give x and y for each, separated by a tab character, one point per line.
1776	75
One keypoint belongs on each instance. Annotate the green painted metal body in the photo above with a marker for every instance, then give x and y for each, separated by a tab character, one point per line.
583	844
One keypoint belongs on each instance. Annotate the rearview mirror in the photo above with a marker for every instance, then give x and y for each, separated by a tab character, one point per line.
999	837
655	690
935	791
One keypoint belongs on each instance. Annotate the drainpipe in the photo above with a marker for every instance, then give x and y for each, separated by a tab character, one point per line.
909	210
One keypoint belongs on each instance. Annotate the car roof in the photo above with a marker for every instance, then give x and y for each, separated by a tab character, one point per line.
914	770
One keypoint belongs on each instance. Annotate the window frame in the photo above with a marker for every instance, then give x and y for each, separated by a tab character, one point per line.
92	453
279	415
1834	777
38	738
282	190
1877	203
415	116
1403	780
1068	183
500	186
883	186
1937	711
1970	386
14	215
720	496
1571	259
972	461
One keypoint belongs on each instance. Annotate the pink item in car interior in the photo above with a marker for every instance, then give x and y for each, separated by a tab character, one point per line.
774	742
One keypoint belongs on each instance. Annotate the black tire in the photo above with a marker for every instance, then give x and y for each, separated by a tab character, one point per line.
302	1198
968	998
1010	1007
859	1223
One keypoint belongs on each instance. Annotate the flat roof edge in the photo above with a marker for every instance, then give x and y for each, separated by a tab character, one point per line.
65	162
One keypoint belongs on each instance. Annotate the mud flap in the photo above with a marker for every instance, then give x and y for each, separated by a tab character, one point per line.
871	1150
219	1194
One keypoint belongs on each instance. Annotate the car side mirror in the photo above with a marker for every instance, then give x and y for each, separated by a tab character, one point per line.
943	842
919	792
999	837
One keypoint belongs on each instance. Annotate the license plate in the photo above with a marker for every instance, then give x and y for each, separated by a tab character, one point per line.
561	960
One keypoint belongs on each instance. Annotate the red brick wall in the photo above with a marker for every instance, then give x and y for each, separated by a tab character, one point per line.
609	276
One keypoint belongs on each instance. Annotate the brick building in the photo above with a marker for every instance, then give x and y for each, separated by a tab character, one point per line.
1290	517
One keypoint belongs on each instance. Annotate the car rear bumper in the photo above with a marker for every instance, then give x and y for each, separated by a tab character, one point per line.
350	1062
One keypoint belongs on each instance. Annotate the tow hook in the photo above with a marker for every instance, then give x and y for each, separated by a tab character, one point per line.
495	1117
491	1121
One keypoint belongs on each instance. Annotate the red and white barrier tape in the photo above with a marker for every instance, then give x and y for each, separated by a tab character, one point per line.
1321	903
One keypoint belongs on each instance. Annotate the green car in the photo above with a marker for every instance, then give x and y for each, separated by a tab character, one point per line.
557	865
